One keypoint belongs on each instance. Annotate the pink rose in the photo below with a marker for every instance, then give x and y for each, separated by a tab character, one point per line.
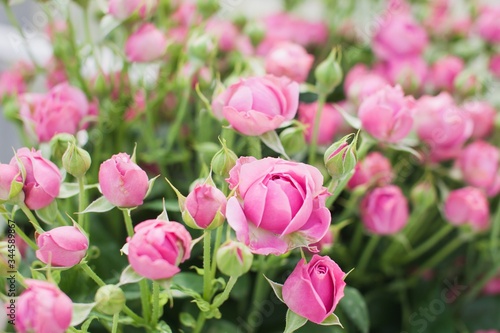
482	115
43	179
387	114
43	308
325	243
329	125
361	83
259	104
399	36
122	9
487	24
493	286
410	72
206	205
279	205
384	210
56	72
9	176
11	84
146	44
314	289
137	108
480	163
62	247
158	247
468	205
225	32
442	125
494	65
289	59
122	181
444	71
375	169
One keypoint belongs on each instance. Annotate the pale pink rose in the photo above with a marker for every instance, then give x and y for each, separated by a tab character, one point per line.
257	105
444	71
122	9
480	163
186	15
204	203
122	181
11	83
62	247
482	115
9	175
399	36
329	125
487	24
43	308
314	289
410	72
289	59
384	210
494	65
43	179
279	205
375	169
468	205
387	114
442	125
146	44
158	247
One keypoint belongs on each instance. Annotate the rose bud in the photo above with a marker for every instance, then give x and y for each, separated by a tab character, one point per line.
146	44
76	161
205	207
387	114
423	195
494	65
11	84
11	182
468	205
122	9
480	163
200	47
43	308
340	158
258	105
234	259
328	74
375	169
410	73
157	248
384	210
492	287
122	181
10	257
467	83
293	140
482	115
329	124
59	144
223	161
487	24
266	224
289	59
110	299
42	181
314	289
444	71
360	83
62	246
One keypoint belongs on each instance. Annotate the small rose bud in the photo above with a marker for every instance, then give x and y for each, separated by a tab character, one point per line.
10	258
223	161
328	74
76	161
205	207
293	140
256	32
62	246
59	144
423	195
110	299
11	182
234	258
200	47
340	158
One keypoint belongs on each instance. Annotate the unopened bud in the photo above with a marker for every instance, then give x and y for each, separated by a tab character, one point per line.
423	195
110	299
256	32
200	47
204	207
76	161
59	145
234	258
293	140
328	74
223	161
340	158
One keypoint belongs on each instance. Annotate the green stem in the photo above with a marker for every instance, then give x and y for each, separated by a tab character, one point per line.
61	218
173	135
25	238
224	296
479	285
315	132
145	302
207	275
336	187
367	253
132	315
82	203
92	274
429	243
495	235
254	147
116	316
156	304
31	217
128	222
199	323
441	255
260	292
218	237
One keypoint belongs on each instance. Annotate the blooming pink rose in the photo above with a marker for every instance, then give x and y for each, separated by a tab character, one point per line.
444	71
43	179
482	115
329	124
410	72
399	36
279	205
259	104
361	83
62	247
122	181
384	210
289	59
43	308
158	247
494	65
122	9
387	114
314	289
487	24
146	44
480	163
374	169
204	203
442	125
468	205
9	175
11	84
